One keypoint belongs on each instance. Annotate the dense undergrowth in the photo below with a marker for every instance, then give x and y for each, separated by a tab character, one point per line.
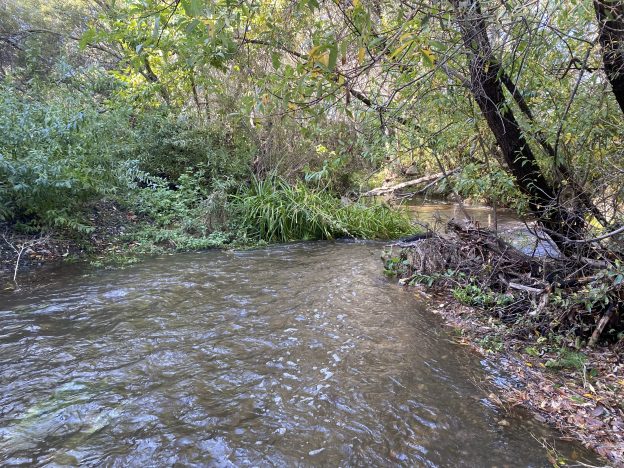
535	298
183	185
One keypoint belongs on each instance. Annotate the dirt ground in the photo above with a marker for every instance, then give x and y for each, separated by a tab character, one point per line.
586	404
22	254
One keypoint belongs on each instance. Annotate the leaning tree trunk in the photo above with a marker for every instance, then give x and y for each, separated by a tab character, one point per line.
610	16
487	88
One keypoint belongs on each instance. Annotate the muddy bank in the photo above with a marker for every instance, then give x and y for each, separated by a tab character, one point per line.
583	401
23	255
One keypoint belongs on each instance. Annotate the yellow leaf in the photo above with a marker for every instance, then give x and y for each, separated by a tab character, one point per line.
429	55
324	59
399	49
360	55
314	51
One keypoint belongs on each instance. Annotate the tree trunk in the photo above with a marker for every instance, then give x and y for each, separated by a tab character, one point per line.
610	16
487	89
149	74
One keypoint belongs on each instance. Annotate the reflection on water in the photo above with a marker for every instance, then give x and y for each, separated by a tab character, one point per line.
293	355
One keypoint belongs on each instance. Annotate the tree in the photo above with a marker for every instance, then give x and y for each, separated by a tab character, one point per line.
417	70
610	16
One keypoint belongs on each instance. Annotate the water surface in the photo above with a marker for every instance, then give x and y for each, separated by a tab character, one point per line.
301	354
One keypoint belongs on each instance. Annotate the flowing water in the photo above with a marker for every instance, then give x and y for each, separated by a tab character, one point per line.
437	212
295	355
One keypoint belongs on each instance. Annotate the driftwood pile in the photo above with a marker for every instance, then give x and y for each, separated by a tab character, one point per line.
543	293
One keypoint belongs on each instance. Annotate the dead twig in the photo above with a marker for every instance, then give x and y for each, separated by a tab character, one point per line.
601	326
19	250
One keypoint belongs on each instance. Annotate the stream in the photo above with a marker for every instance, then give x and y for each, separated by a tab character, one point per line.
294	355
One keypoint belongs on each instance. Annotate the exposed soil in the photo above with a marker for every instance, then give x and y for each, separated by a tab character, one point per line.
586	404
108	220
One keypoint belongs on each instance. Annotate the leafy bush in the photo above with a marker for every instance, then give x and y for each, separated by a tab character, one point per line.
188	217
169	145
53	159
275	211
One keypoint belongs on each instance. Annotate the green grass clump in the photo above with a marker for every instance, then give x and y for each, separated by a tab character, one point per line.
276	211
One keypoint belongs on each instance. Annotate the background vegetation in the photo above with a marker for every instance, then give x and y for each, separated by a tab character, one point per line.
172	108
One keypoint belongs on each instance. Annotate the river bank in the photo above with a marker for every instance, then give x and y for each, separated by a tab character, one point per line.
578	393
23	255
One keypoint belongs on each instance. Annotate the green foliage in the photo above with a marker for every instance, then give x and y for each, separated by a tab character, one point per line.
188	217
491	185
167	146
567	359
473	295
276	211
395	266
491	343
54	158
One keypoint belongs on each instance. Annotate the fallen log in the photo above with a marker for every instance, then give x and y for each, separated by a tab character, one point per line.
434	178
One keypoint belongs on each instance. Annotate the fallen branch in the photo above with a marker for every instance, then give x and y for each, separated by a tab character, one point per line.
19	256
522	287
434	178
19	250
586	241
601	326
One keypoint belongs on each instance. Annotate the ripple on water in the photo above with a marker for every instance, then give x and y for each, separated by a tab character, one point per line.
294	355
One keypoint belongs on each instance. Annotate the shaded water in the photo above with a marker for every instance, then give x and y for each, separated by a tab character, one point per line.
436	213
292	355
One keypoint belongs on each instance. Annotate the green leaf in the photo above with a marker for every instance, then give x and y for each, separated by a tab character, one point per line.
275	60
87	38
192	25
192	7
333	57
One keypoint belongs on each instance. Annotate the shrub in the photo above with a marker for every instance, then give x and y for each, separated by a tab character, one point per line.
168	145
188	217
53	159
